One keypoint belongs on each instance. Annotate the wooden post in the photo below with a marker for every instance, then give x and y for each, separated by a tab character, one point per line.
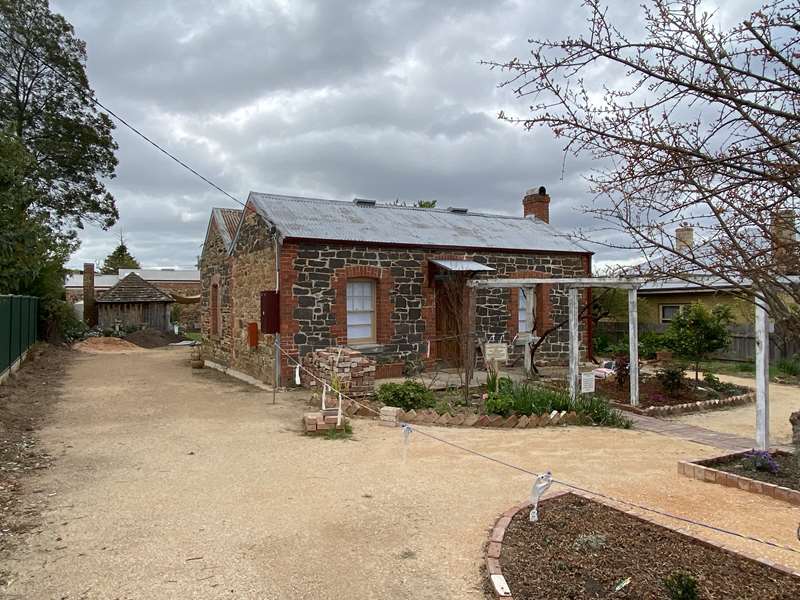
762	377
468	338
530	311
633	337
574	343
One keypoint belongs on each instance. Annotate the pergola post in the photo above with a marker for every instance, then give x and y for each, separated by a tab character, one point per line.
574	343
762	377
530	311
633	341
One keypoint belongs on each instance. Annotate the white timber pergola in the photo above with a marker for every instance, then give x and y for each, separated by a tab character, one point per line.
573	284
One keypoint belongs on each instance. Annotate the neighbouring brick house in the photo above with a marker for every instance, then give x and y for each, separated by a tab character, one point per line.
324	273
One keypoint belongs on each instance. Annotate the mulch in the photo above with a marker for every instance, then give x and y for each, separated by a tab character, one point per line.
583	549
25	400
788	474
651	393
152	338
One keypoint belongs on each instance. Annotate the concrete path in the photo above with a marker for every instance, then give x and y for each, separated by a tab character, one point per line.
741	421
172	483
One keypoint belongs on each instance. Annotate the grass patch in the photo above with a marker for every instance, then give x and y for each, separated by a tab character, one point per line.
193	335
339	434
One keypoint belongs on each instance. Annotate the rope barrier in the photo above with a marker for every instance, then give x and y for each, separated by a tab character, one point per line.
407	428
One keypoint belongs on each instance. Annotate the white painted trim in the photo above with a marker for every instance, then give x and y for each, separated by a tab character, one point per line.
620	282
574	343
633	345
762	377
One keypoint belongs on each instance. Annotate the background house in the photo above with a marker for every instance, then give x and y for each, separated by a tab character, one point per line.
375	277
182	284
134	302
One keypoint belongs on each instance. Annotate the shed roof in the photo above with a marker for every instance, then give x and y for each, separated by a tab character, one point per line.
335	220
133	288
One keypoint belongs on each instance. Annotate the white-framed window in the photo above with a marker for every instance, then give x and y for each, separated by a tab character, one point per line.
360	311
668	311
522	310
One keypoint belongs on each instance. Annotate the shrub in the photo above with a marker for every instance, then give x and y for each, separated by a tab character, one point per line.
671	378
526	399
760	460
695	332
789	366
681	586
622	370
723	387
651	342
409	395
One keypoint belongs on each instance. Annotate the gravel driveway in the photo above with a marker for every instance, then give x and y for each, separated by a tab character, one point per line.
173	483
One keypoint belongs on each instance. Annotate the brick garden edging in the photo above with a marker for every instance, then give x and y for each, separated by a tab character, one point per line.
703	470
392	417
495	545
689	407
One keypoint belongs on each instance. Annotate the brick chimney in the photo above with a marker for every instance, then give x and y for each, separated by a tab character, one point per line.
89	306
537	203
684	239
783	231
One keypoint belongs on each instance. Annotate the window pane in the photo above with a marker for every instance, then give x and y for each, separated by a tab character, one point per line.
522	318
360	310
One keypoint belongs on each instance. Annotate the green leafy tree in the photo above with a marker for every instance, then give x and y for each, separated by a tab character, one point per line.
696	332
426	204
120	258
46	101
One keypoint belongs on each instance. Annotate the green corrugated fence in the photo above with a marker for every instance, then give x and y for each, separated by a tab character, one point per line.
18	321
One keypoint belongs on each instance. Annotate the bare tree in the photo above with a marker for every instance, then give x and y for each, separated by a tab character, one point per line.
691	123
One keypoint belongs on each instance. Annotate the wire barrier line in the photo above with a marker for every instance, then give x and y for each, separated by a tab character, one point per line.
607	497
96	102
561	482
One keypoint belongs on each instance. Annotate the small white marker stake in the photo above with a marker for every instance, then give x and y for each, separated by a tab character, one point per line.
339	412
540	486
407	431
297	375
324	393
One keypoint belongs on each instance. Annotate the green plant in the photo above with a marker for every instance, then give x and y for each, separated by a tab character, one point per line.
789	366
499	405
671	377
340	434
651	342
409	395
696	332
761	460
681	586
722	387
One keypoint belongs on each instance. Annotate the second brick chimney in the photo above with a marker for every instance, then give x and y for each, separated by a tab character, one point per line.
537	204
88	295
684	239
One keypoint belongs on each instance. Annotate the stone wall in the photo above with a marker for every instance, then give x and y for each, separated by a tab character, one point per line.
317	272
215	269
252	272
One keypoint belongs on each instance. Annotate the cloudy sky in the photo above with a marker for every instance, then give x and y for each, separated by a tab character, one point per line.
383	99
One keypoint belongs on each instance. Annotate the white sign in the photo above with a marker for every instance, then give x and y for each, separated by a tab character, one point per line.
587	383
498	352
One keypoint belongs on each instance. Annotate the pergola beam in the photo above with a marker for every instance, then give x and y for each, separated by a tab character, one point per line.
618	282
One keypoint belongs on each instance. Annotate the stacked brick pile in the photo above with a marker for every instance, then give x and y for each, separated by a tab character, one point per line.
355	371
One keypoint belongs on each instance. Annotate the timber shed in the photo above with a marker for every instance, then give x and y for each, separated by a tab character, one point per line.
134	302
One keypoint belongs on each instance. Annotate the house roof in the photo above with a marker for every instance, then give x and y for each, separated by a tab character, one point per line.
227	222
133	288
335	220
160	275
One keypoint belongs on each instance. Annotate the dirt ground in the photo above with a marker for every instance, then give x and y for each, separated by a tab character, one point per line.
783	401
174	483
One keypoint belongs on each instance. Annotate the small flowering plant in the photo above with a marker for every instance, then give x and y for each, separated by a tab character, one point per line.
761	460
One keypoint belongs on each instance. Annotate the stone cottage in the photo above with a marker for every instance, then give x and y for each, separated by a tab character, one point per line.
375	277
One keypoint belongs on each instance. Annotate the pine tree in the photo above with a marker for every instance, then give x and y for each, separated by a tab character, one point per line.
120	258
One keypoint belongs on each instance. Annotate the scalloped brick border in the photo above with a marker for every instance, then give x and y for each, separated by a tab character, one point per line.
703	470
393	417
689	407
494	547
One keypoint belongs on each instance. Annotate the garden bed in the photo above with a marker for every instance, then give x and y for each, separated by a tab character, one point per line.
583	548
751	472
690	396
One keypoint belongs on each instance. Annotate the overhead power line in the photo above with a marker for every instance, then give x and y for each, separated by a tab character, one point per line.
119	118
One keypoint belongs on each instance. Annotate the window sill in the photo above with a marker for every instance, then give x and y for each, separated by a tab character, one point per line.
367	347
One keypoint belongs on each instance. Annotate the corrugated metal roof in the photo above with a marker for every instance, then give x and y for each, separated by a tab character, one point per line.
133	288
227	221
313	218
100	281
163	274
461	265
